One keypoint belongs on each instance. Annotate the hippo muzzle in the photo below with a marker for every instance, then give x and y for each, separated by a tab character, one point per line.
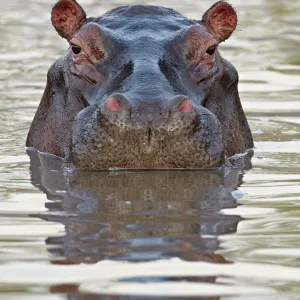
141	87
113	137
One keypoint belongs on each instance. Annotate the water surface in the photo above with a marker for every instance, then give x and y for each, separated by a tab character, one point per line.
227	234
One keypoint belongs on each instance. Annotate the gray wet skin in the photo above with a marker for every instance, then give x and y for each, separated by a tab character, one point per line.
141	87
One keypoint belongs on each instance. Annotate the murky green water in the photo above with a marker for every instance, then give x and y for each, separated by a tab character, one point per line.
231	234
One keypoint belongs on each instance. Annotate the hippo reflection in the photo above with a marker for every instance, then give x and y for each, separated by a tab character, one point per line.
136	215
141	87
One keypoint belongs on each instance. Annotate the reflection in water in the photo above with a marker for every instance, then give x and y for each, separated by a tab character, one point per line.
96	297
136	215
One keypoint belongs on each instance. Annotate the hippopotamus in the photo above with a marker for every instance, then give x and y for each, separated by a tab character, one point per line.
141	86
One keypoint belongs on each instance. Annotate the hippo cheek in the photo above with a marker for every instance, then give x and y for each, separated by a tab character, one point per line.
211	133
208	141
214	145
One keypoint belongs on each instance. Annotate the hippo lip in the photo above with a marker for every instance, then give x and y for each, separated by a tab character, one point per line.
148	148
148	140
127	141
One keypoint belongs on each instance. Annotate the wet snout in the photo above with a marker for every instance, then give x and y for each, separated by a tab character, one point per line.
147	98
145	124
120	102
158	113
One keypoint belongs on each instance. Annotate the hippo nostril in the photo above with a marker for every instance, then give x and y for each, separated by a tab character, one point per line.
113	104
185	106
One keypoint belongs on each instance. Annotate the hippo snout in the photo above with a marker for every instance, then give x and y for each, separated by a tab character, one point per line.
119	102
125	134
134	112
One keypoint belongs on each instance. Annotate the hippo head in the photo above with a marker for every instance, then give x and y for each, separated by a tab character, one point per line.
141	87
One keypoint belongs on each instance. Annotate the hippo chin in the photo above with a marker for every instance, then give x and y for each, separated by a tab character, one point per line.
141	87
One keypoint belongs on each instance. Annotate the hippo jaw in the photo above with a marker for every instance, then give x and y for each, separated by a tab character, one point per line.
149	90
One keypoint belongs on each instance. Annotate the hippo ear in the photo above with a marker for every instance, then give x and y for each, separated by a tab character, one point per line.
67	17
221	20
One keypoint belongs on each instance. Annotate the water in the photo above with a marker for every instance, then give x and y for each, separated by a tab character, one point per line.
231	234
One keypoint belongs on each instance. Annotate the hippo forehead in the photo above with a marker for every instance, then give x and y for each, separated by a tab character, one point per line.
136	21
141	35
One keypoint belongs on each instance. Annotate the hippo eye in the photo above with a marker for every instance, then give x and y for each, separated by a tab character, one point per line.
211	50
76	49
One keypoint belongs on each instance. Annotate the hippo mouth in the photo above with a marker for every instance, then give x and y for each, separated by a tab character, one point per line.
108	141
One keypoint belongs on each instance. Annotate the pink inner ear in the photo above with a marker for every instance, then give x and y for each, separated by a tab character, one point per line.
67	17
222	19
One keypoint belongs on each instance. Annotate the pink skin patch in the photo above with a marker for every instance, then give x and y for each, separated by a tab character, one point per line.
185	106
113	104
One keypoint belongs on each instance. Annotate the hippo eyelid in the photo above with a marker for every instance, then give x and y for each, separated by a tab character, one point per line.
211	50
75	48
